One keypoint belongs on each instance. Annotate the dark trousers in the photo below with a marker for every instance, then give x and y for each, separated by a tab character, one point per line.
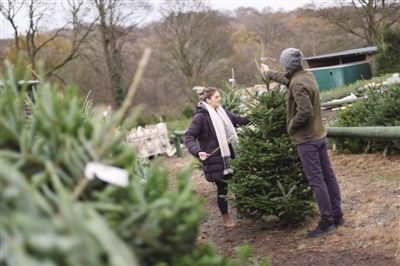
321	177
222	190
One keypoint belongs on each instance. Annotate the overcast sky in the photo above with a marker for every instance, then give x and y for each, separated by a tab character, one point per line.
287	5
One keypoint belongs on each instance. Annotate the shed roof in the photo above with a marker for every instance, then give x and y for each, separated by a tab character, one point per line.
365	50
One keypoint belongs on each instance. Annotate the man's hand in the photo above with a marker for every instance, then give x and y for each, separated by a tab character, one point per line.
264	68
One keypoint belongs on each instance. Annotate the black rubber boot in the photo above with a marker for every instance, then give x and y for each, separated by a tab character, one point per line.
338	220
323	228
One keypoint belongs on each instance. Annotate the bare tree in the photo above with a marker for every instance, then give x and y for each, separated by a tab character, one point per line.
246	48
276	34
364	19
117	21
39	13
193	42
317	36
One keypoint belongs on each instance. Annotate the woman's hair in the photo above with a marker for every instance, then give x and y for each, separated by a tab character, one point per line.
206	93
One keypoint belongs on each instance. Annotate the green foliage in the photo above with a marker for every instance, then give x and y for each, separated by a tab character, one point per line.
53	215
387	59
117	87
36	231
144	120
379	108
233	99
187	111
160	224
269	177
358	88
178	124
262	77
58	141
42	160
244	253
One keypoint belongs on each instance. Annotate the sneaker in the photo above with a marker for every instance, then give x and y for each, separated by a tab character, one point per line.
323	228
338	220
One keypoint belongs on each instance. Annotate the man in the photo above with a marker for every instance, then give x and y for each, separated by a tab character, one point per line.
306	130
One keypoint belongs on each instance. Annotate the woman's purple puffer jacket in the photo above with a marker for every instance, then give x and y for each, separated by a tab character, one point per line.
202	129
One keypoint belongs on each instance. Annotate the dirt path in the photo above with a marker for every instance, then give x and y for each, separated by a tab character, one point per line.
370	186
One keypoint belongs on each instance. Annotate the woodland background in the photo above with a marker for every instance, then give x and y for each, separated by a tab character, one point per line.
99	43
98	49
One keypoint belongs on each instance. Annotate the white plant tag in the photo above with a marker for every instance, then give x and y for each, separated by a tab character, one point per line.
110	174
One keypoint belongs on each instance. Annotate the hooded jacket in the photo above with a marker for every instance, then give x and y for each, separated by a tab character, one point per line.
303	113
202	130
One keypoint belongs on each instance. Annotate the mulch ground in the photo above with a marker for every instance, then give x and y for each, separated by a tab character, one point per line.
370	185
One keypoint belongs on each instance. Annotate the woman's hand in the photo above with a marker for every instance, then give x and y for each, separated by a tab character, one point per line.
264	68
203	155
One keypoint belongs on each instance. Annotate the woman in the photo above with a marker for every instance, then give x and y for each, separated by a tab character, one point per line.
213	127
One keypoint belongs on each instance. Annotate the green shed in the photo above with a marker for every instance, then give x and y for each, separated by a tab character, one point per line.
341	75
341	68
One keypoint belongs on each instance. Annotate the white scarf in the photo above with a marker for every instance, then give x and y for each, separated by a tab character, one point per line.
218	117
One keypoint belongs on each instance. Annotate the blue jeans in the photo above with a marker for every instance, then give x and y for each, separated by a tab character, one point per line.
321	177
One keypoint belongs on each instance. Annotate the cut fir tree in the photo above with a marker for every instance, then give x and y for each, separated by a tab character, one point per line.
269	177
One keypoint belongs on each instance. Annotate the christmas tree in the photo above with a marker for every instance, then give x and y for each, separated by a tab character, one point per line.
269	177
63	201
